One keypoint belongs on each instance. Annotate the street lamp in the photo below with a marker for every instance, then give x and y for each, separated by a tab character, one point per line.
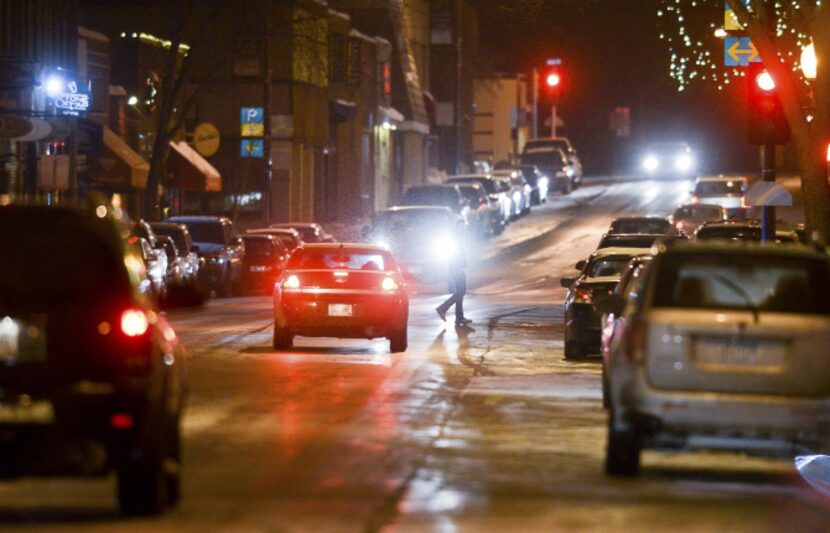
132	100
809	62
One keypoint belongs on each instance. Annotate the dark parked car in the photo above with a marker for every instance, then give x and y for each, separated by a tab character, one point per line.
483	214
742	230
175	268
223	251
184	245
289	237
448	196
155	268
551	161
265	258
497	190
310	232
597	279
687	218
91	374
637	224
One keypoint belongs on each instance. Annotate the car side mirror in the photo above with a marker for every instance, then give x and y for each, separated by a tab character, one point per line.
611	304
580	264
567	282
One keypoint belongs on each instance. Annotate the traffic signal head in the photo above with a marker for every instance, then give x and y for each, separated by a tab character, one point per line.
767	122
552	82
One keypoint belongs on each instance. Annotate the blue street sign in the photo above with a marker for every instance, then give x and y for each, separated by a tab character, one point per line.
739	52
252	122
252	148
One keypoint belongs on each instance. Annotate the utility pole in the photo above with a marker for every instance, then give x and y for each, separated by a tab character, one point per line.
768	174
535	103
266	112
458	114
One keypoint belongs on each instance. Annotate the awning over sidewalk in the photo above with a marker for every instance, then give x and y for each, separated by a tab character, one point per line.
118	165
190	171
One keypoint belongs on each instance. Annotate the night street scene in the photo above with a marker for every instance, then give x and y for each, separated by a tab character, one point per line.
414	266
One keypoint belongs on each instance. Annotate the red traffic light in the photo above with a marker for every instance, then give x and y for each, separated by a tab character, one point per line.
765	81
553	79
767	121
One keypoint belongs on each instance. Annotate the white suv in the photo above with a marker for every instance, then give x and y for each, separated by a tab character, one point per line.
723	346
727	192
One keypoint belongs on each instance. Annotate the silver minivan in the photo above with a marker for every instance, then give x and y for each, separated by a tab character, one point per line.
723	346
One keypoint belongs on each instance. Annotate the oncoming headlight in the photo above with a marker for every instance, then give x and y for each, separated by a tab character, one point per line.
683	162
444	247
650	163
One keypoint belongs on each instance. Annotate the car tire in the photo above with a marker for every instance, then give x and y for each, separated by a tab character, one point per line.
398	341
283	339
572	351
566	187
143	486
622	455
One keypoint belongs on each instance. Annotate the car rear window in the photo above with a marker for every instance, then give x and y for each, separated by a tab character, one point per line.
735	233
340	259
628	241
601	267
178	237
734	282
52	258
640	226
698	212
719	188
207	231
259	248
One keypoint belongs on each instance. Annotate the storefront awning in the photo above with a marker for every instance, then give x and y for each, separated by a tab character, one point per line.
187	170
119	165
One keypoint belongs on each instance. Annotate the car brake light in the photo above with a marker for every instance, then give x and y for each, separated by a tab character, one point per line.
134	322
695	199
389	284
582	296
635	341
291	282
121	421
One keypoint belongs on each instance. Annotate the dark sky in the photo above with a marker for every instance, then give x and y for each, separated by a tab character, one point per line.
612	56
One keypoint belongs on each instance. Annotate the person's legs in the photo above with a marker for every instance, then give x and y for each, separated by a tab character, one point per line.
460	282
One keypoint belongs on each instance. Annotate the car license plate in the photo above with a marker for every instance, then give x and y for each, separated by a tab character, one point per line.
27	412
340	309
257	269
743	353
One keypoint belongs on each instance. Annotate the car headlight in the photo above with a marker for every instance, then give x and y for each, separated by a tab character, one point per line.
650	163
683	162
444	247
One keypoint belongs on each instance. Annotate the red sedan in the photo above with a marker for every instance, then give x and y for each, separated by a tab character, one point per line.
341	290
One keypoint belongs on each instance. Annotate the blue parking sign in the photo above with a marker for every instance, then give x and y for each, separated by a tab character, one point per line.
252	148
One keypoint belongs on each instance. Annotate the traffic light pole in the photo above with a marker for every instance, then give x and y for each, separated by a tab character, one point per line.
553	120
535	103
768	174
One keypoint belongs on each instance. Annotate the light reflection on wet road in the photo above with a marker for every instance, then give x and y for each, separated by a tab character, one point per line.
484	428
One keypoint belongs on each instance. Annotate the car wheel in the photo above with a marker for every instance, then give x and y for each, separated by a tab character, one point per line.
622	456
143	486
398	341
566	187
283	339
572	351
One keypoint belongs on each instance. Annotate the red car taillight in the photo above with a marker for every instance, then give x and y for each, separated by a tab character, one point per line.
634	343
291	282
134	322
582	296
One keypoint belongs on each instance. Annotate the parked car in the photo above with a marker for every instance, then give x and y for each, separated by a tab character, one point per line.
552	160
217	242
642	224
422	239
310	232
727	192
483	214
498	191
724	348
741	230
536	179
611	322
687	218
265	258
669	160
174	276
92	374
519	190
156	269
598	276
185	248
341	290
288	237
448	196
142	229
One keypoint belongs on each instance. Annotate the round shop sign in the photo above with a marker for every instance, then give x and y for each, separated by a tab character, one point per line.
206	139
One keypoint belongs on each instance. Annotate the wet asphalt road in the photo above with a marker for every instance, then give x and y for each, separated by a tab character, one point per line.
484	428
